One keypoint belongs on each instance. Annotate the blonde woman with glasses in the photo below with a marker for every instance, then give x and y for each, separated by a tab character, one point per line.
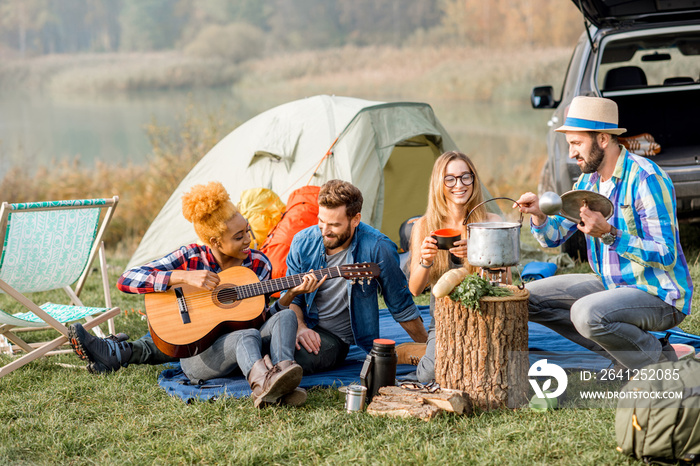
455	190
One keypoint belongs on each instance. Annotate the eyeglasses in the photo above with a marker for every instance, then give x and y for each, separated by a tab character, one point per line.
466	179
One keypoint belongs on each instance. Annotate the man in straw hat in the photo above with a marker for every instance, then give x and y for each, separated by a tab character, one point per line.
641	280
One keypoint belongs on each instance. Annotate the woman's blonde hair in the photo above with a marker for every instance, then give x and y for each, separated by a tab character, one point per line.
438	211
208	207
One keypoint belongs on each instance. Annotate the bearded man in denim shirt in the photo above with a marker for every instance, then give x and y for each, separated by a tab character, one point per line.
340	313
641	281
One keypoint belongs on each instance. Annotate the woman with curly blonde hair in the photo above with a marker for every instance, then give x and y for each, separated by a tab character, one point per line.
455	191
226	237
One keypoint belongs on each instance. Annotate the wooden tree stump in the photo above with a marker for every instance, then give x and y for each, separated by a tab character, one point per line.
484	353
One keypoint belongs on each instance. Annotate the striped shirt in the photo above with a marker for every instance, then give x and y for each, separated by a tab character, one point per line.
155	275
646	253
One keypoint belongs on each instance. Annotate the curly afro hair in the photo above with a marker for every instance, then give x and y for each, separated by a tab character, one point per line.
208	207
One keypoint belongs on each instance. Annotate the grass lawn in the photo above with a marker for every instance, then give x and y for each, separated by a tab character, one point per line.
54	414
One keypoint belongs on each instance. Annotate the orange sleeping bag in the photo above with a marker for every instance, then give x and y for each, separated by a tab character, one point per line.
302	212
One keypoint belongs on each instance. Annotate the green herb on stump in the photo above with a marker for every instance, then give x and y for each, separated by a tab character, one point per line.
473	288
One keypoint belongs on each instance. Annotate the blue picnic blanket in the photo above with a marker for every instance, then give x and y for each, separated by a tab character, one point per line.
543	343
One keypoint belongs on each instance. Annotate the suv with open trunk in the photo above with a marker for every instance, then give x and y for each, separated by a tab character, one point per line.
644	55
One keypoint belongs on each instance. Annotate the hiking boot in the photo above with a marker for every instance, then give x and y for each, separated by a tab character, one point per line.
410	353
105	354
98	367
270	383
296	397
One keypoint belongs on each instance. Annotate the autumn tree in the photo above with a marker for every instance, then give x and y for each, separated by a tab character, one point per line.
73	26
499	23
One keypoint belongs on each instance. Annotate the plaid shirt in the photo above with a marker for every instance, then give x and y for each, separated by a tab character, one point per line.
155	275
646	253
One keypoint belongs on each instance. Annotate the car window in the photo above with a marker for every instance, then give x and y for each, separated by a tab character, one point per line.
573	72
665	60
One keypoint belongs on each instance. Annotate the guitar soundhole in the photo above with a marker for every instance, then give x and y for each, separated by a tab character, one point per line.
225	296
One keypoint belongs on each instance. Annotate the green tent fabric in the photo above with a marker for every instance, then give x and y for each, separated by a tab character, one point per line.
385	149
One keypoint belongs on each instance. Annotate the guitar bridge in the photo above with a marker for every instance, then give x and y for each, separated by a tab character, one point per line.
182	306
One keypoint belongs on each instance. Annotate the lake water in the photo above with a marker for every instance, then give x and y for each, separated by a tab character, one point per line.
507	142
38	129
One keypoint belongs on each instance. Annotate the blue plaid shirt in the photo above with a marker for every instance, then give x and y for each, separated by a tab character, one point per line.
646	253
155	275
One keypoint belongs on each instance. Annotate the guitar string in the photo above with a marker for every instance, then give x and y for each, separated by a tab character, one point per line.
263	287
203	297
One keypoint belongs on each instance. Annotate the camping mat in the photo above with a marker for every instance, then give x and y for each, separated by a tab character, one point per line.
543	343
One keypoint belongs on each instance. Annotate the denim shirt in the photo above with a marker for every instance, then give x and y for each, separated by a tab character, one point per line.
367	245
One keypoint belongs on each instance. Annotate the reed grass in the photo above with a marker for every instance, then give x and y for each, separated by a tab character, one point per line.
418	73
386	72
113	72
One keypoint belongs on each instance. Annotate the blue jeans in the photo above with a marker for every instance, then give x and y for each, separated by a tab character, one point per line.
145	351
425	372
243	348
614	323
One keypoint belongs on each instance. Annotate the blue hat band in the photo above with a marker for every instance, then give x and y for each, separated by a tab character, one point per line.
589	124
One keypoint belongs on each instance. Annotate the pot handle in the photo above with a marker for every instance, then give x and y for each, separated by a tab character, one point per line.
489	200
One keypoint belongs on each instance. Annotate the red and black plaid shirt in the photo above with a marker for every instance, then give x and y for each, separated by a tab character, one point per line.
155	275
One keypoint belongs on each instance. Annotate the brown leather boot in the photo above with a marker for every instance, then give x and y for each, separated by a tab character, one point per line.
410	353
257	377
269	383
284	365
296	397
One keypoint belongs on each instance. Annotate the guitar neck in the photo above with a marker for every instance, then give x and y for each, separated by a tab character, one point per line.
283	283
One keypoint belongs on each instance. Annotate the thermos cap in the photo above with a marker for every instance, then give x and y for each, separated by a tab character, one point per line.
384	341
384	347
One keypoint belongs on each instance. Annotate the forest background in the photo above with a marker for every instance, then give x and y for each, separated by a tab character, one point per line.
250	28
467	51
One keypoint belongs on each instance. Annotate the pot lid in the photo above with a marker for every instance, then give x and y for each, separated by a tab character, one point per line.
615	12
572	201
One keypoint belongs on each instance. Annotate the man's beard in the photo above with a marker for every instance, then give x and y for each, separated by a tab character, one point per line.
596	158
337	241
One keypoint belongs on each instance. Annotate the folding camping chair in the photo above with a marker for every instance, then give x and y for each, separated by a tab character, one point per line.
49	246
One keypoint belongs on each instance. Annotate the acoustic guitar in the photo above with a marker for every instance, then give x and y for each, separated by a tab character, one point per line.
186	320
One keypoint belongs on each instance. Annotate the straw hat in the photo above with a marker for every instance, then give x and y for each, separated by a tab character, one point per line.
592	114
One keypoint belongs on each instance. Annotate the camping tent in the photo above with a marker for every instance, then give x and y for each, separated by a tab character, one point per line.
385	149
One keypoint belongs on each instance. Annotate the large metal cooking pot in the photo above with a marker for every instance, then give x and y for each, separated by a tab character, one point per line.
493	245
